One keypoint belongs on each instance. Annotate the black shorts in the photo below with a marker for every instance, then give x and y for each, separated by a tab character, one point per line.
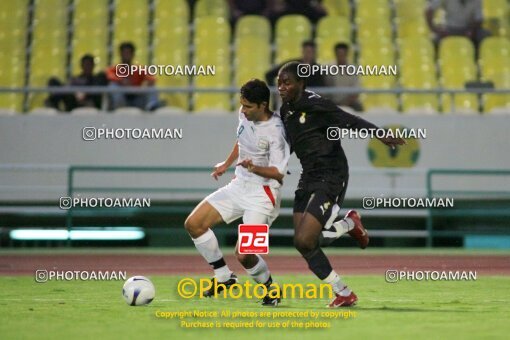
319	197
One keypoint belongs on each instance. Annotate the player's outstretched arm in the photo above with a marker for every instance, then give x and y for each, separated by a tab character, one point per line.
262	171
222	167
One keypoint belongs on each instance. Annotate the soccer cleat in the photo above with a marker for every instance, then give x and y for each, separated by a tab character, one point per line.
219	285
359	233
343	301
270	300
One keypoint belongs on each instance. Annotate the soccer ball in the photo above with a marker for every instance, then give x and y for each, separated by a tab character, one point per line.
138	291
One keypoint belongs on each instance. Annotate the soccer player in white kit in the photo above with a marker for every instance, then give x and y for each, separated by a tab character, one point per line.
262	154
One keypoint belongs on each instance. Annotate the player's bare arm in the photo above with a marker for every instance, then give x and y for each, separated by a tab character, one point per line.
262	171
222	167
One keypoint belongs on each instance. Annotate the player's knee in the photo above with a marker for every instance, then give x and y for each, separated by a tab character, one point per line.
304	244
193	226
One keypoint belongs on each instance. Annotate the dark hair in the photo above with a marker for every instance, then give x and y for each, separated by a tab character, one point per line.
127	44
292	68
255	91
342	45
87	57
308	43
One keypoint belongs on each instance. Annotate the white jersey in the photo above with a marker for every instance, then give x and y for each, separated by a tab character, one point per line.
265	144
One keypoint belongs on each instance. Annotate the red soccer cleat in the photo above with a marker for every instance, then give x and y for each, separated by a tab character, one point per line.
359	233
343	301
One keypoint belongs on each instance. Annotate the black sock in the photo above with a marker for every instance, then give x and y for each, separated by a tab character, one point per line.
268	282
318	263
218	264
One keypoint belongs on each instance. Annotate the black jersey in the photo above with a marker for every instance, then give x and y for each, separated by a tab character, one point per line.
306	123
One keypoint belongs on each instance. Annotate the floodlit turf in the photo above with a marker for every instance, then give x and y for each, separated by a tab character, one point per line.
419	310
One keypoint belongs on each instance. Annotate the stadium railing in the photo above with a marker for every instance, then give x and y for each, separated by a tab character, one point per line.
105	90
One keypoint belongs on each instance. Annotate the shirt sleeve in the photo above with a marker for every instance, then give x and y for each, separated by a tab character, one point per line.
331	115
279	152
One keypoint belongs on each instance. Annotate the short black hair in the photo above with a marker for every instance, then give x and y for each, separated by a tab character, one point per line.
308	43
292	68
87	57
255	91
342	45
127	44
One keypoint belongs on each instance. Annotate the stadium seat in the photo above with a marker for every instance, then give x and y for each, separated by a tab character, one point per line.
409	27
166	11
409	8
413	78
496	17
49	46
416	48
295	28
454	76
211	29
374	101
253	25
376	51
172	32
216	101
287	50
370	27
131	23
13	33
89	33
501	80
251	62
373	8
493	48
215	8
453	48
334	27
337	7
326	50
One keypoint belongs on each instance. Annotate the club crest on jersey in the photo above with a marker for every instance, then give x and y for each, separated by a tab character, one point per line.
263	144
325	207
302	119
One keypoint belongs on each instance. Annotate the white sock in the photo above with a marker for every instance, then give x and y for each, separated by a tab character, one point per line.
343	226
207	246
338	286
260	272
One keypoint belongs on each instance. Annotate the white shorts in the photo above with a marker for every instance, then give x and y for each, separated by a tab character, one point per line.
254	202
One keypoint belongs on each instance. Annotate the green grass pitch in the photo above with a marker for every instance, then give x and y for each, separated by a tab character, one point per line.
95	309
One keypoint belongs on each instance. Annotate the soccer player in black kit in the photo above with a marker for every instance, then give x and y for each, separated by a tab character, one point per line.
321	189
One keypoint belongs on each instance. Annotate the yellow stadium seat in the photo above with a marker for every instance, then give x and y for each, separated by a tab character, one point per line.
49	46
337	7
375	100
370	27
410	48
287	50
251	62
417	79
373	8
501	80
409	8
210	101
454	76
452	48
409	27
253	25
293	27
374	51
89	34
211	29
13	32
166	11
131	23
216	8
496	18
334	27
494	47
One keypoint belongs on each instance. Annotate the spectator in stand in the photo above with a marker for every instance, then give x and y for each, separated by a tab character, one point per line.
463	18
312	9
344	80
309	56
67	101
120	75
